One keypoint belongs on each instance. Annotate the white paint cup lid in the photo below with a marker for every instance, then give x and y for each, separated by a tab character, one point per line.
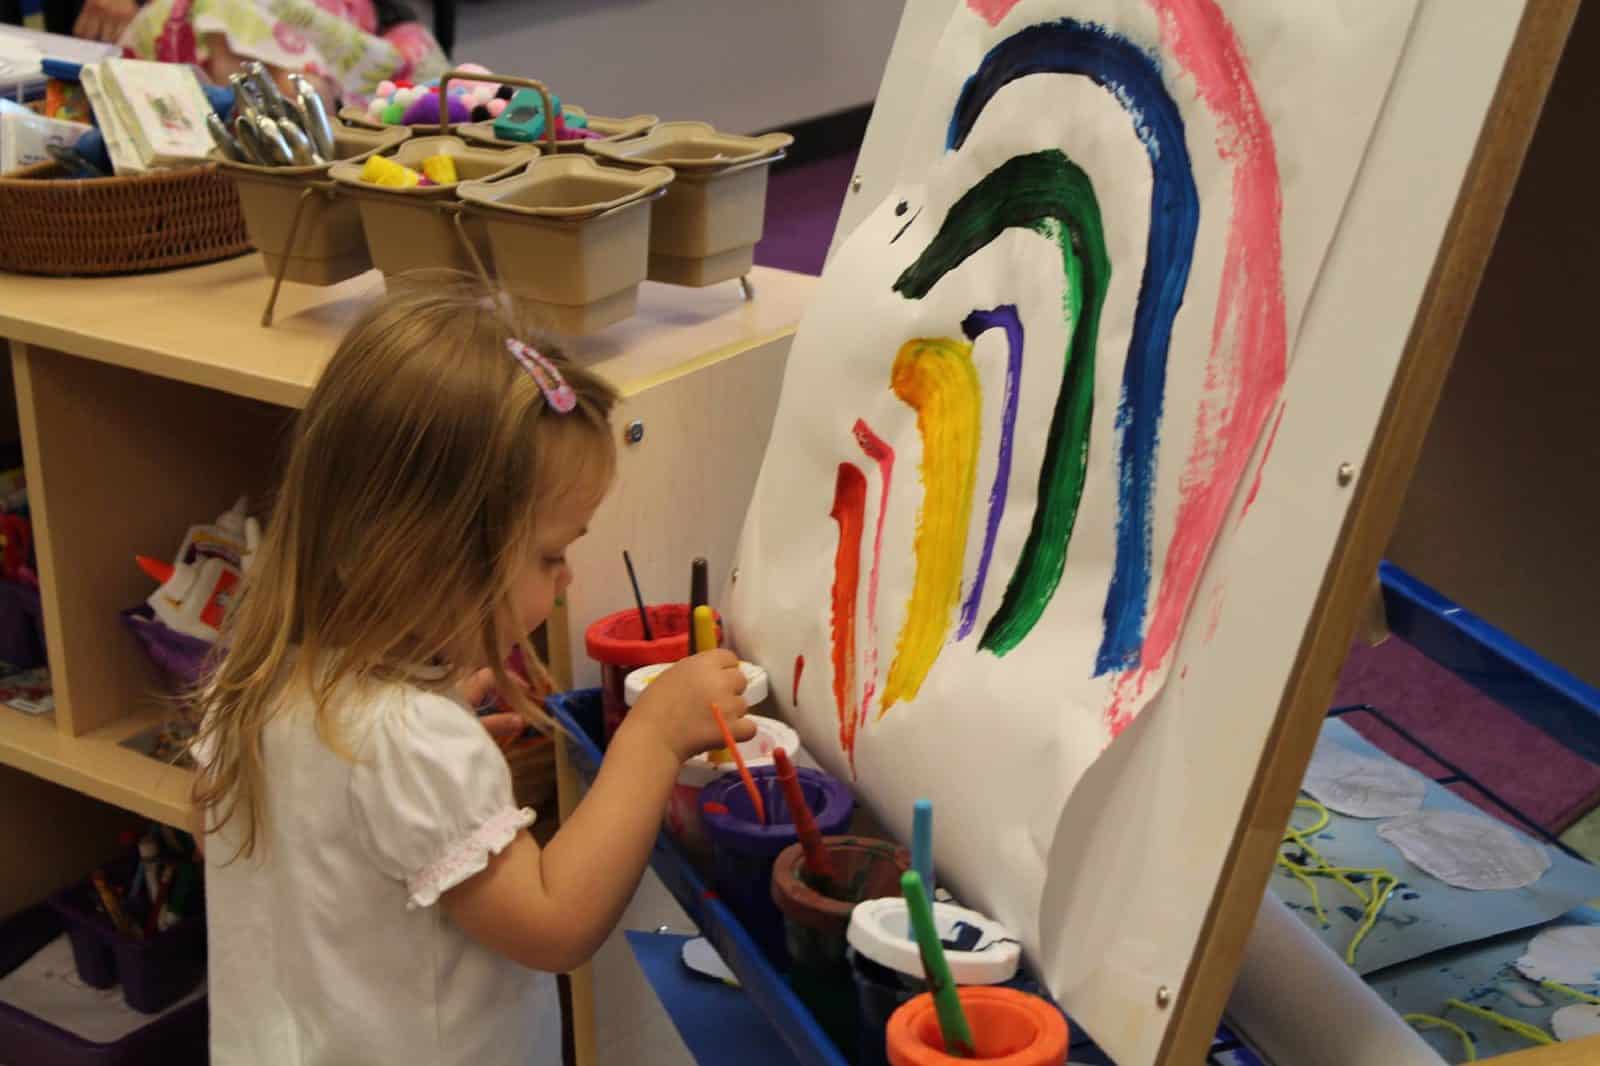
880	929
757	751
633	686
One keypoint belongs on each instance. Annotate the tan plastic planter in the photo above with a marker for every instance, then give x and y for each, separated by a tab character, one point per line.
570	236
615	129
706	227
415	228
328	243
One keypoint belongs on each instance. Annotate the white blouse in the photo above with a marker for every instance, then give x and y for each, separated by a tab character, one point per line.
326	947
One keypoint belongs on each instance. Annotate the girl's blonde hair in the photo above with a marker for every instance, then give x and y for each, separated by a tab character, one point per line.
418	469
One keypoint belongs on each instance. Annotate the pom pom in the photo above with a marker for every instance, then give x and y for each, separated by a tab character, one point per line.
393	113
495	107
402	83
472	68
386	88
505	92
424	111
481	114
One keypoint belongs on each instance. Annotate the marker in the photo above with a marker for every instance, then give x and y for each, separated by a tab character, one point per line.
703	637
738	759
946	1002
922	842
698	598
159	571
114	911
819	866
178	902
149	852
152	918
638	597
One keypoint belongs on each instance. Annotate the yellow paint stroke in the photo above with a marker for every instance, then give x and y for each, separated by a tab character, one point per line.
935	376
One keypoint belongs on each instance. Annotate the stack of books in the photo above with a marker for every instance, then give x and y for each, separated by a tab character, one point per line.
152	115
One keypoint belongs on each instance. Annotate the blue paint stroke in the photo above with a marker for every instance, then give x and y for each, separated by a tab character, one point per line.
975	325
1133	76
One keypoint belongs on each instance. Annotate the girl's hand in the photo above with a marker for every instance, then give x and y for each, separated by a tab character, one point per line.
676	707
478	691
104	20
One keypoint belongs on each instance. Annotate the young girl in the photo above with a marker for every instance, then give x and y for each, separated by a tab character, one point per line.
371	894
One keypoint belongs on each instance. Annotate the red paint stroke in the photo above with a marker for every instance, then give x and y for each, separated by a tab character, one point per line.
849	505
878	450
799	669
1249	335
1215	620
992	11
1266	453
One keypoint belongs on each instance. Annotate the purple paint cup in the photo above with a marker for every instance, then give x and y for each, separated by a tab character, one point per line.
744	851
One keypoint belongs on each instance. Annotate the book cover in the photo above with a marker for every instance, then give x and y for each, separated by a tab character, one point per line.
163	107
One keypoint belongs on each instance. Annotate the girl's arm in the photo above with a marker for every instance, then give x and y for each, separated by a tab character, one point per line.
551	908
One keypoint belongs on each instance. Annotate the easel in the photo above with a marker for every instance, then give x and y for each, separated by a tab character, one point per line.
1436	332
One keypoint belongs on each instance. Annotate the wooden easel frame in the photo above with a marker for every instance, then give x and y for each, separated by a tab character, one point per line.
1464	252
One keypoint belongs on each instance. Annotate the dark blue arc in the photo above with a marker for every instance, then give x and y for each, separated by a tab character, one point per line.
1066	46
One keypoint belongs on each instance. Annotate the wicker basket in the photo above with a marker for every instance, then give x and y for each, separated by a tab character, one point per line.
126	225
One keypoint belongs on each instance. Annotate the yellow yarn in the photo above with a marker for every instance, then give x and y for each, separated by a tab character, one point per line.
1428	1021
1383	882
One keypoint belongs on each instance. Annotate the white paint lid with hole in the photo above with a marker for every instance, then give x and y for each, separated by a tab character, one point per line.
880	929
633	686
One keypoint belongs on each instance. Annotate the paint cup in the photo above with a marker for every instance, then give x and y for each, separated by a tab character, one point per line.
816	920
683	810
1008	1027
617	643
886	965
743	850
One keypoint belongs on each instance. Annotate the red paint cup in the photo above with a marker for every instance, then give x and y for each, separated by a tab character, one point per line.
617	643
1009	1028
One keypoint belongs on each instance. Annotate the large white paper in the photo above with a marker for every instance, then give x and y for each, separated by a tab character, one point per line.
953	329
1467	850
1359	786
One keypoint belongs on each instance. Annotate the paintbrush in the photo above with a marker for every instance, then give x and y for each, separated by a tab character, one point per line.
946	1001
738	760
818	864
703	637
638	597
922	842
699	596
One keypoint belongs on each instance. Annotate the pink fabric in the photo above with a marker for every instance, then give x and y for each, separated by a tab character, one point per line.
1535	774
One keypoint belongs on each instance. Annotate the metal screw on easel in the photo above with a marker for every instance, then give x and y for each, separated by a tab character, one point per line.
634	433
1347	473
855	183
733	578
1163	997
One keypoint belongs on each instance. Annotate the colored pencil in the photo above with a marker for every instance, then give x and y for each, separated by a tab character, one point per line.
946	1001
922	843
744	770
114	911
638	597
819	866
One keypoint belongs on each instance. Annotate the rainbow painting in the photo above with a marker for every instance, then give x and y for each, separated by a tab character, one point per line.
1048	193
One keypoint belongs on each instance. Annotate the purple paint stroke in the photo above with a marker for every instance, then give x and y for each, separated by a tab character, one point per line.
976	324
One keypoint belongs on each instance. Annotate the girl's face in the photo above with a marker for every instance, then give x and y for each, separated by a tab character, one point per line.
542	574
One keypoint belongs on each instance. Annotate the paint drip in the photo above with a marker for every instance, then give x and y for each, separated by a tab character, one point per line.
878	450
849	505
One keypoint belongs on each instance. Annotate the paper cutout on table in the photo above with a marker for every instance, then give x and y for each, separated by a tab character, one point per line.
702	958
1576	1021
1481	973
48	988
1467	850
1569	954
1067	326
1422	915
1360	787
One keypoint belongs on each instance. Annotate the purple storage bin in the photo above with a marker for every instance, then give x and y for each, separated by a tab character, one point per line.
154	973
176	1039
744	850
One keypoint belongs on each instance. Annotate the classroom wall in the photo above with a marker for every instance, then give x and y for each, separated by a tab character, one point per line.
744	65
1503	514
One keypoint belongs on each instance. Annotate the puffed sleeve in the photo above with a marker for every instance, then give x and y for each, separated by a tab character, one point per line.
431	794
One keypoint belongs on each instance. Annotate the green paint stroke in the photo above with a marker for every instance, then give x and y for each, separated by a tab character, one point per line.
1047	193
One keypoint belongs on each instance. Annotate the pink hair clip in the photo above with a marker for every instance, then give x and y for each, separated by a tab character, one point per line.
557	393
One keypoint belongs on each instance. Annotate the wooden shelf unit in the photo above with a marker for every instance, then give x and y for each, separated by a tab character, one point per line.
148	403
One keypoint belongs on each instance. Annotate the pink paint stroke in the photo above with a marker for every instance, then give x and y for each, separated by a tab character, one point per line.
879	451
1249	337
1266	453
992	11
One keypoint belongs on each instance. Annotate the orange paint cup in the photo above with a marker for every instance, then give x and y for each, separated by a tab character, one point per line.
1009	1028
